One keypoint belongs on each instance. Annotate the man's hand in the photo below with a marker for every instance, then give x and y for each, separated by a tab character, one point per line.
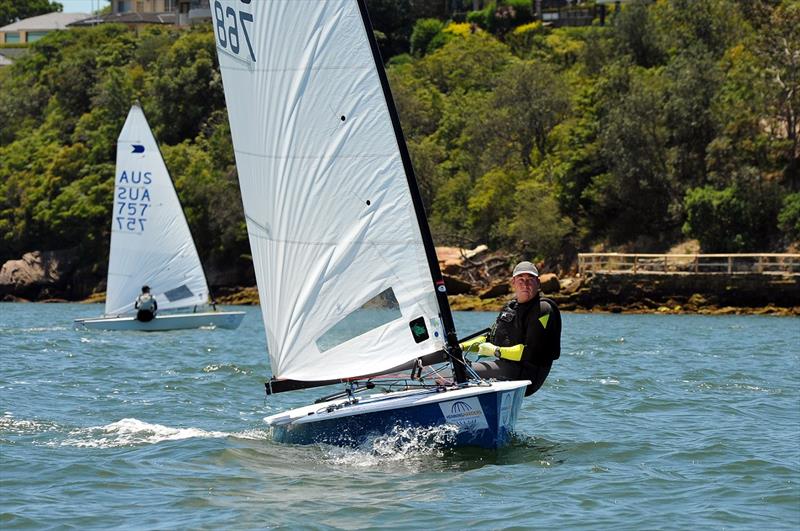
488	349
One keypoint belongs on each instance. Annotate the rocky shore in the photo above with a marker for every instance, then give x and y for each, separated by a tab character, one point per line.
477	280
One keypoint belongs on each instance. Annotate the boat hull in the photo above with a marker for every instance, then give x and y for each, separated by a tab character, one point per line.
177	321
482	415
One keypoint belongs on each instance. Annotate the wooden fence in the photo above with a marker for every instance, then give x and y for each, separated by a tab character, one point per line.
710	264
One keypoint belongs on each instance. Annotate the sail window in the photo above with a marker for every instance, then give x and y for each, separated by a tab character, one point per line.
378	311
179	293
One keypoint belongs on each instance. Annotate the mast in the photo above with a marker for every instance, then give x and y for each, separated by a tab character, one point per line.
452	347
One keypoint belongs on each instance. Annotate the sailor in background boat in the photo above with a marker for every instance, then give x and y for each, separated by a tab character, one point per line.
146	304
526	337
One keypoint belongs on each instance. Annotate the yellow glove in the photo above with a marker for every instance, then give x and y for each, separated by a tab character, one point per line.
471	345
488	349
507	353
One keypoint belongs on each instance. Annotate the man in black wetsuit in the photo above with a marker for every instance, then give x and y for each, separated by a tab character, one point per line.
526	338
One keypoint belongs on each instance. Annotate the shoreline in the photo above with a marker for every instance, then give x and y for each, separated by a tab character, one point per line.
248	296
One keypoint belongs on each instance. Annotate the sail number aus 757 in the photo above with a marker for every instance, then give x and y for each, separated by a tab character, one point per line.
228	24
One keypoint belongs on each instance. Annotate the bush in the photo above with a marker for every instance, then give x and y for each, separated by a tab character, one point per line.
501	17
737	218
789	217
424	32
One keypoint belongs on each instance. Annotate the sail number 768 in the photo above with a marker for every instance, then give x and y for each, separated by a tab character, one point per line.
228	23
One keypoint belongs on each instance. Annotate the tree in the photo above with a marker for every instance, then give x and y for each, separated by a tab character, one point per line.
537	228
738	218
634	197
13	10
780	50
636	34
425	30
530	99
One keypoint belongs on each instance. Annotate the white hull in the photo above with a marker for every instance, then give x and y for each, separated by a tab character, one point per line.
175	321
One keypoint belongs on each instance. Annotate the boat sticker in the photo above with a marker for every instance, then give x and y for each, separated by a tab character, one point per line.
466	413
419	330
506	403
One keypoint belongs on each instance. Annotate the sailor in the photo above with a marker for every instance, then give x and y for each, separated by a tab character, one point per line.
526	337
146	304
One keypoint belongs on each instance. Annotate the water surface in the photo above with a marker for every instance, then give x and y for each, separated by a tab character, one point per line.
646	421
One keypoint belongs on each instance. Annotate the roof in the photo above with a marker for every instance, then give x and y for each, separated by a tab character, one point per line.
13	53
128	18
50	21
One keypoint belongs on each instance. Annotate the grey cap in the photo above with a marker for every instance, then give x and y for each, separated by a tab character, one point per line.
525	267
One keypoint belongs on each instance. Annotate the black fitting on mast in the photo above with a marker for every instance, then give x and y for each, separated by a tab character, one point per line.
457	359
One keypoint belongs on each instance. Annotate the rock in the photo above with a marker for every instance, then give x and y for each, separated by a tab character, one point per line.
38	275
496	290
549	283
571	285
456	286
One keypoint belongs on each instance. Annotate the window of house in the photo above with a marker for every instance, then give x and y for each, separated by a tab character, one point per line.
12	37
122	6
35	35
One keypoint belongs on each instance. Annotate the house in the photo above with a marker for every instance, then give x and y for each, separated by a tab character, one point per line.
34	28
134	13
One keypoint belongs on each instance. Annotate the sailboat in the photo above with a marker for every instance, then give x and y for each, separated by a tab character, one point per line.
349	282
151	244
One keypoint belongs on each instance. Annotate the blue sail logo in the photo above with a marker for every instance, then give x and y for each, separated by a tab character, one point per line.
138	148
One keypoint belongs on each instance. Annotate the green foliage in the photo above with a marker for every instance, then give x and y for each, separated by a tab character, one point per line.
500	17
789	217
734	219
679	119
537	228
425	30
636	34
63	105
529	101
11	10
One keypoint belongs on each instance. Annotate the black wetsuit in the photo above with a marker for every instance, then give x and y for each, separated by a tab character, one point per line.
537	325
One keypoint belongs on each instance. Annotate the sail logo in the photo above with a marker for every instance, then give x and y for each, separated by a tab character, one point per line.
138	148
466	413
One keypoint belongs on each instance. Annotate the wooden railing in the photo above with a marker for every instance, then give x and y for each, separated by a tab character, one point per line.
726	264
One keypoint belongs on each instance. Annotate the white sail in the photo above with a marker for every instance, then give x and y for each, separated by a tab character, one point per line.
150	239
330	216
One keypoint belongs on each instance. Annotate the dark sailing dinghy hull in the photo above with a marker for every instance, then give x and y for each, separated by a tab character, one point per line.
481	415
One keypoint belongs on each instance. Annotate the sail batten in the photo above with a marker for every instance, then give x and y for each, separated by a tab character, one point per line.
151	243
342	267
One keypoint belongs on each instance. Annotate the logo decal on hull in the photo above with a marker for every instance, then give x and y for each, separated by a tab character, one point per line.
466	413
